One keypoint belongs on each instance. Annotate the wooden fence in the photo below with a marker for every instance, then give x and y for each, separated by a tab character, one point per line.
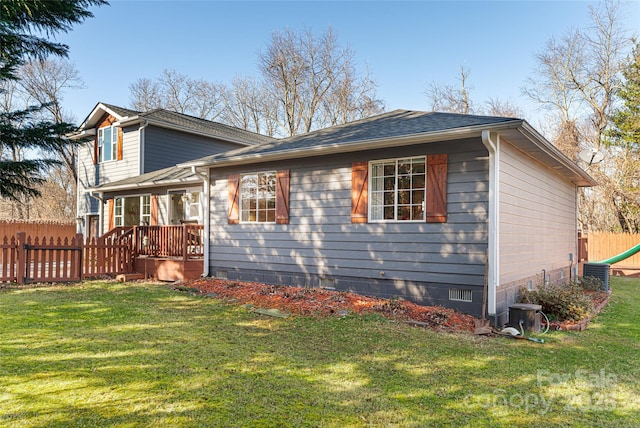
24	259
53	230
603	245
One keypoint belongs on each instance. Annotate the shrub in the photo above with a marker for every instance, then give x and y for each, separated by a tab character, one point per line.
560	302
590	283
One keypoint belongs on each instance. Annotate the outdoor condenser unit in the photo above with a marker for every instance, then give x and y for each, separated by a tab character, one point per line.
597	270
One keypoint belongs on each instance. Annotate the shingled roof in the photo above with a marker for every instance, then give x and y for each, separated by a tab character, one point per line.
392	125
169	119
401	128
162	177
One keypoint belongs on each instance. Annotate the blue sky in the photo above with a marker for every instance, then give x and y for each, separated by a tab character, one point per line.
406	45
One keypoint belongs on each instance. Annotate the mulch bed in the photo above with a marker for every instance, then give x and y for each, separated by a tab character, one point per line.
322	302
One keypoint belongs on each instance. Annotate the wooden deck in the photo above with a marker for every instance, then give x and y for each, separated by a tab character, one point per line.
169	268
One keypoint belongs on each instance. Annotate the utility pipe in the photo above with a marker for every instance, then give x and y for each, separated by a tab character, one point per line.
494	224
141	141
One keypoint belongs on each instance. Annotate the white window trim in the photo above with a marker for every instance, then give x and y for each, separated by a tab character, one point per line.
370	191
240	210
114	144
187	191
141	205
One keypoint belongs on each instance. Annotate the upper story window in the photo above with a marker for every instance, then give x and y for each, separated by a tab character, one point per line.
107	143
398	188
258	197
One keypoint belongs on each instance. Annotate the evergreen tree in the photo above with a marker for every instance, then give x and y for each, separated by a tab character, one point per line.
24	28
626	121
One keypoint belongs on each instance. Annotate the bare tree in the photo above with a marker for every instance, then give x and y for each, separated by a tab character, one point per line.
46	81
249	107
145	95
178	92
504	108
577	78
351	98
452	99
309	77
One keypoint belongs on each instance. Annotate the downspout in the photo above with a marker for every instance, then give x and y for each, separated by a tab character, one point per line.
494	224
141	137
100	199
206	213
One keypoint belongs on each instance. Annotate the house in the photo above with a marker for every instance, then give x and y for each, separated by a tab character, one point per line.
126	167
405	204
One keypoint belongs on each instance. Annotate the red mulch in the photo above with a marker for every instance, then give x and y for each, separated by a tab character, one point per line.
321	302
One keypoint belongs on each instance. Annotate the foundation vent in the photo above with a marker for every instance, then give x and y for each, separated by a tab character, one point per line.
460	295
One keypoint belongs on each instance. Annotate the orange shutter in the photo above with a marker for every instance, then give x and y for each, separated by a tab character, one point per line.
95	149
119	144
282	197
110	208
154	210
233	185
359	192
436	203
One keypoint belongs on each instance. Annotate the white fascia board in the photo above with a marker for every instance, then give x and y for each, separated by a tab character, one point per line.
96	113
169	183
84	134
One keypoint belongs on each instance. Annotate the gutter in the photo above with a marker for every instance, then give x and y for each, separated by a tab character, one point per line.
493	262
145	123
206	200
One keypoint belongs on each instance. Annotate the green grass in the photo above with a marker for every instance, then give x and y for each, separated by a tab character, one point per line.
108	354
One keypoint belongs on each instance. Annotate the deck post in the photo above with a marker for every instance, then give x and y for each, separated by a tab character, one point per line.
185	242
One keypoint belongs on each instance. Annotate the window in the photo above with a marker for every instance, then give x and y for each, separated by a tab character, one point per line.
118	216
132	211
258	198
398	188
145	216
107	143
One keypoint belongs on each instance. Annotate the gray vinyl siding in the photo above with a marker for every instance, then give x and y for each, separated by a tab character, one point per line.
166	147
321	242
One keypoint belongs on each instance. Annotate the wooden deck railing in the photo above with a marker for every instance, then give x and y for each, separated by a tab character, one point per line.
185	241
26	259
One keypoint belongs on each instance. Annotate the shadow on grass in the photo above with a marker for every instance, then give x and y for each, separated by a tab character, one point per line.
104	354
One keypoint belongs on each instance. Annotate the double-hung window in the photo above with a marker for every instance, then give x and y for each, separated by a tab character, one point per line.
258	197
398	188
107	143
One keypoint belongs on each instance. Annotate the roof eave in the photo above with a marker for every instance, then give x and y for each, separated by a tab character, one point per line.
146	185
94	116
554	157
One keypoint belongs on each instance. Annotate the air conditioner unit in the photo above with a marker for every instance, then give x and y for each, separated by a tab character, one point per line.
597	270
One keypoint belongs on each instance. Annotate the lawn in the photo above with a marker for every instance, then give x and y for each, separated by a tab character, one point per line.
110	354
